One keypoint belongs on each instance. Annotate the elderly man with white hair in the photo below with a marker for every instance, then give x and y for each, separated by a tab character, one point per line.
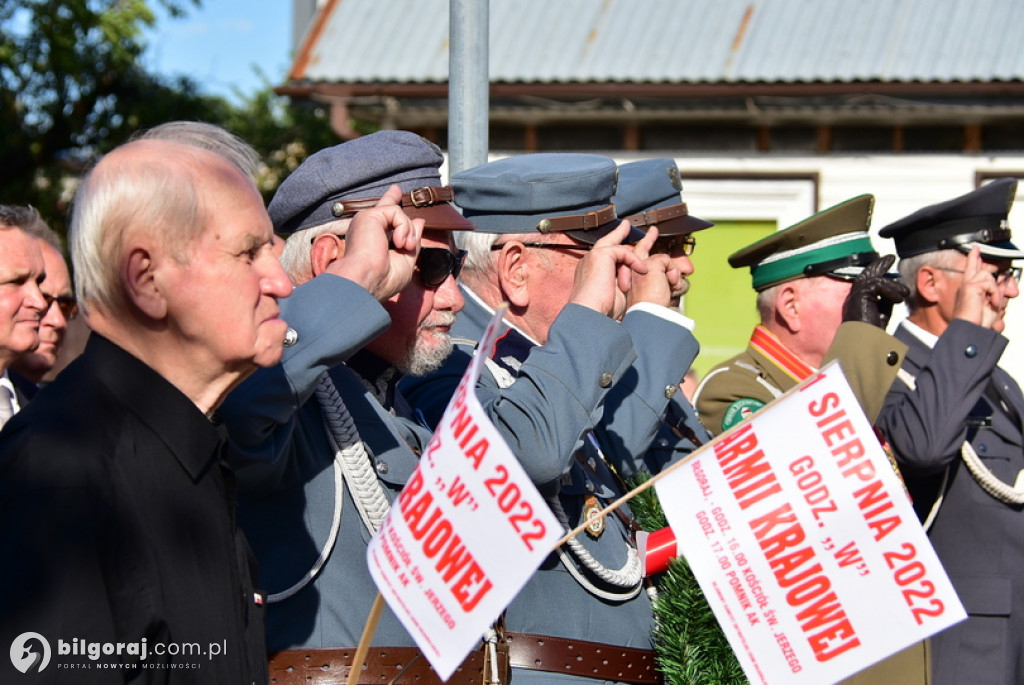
117	524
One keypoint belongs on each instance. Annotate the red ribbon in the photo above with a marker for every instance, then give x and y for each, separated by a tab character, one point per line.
658	549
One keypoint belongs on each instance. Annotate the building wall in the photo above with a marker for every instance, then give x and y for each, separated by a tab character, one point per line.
786	189
901	184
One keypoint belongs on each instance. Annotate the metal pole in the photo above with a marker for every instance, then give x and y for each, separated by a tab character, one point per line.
468	97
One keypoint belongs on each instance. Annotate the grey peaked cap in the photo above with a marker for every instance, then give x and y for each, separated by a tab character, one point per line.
360	168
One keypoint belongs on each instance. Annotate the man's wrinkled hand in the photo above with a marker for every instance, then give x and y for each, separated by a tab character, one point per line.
978	299
381	246
604	275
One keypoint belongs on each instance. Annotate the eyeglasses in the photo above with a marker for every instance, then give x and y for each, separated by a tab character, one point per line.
549	246
436	263
67	304
1002	277
671	244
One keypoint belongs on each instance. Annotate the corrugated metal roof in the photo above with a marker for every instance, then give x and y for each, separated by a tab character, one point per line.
677	41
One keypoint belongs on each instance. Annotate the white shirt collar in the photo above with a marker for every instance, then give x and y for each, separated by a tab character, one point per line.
5	381
921	334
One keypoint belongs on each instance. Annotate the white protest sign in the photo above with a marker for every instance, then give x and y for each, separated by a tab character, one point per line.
805	542
464	535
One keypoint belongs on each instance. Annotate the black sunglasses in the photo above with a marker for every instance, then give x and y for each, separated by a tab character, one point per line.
436	263
67	304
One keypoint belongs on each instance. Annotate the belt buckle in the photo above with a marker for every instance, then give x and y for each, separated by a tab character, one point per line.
423	197
496	670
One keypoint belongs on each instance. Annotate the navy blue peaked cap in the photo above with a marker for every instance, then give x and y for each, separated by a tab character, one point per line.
338	181
977	218
648	195
544	192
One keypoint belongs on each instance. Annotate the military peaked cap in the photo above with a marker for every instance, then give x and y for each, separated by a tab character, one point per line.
338	181
544	192
648	195
977	218
833	241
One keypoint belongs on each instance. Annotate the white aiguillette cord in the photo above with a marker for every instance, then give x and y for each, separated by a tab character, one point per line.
352	467
988	481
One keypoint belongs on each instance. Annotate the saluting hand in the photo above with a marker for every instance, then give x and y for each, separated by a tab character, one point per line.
873	294
604	275
662	279
978	299
381	246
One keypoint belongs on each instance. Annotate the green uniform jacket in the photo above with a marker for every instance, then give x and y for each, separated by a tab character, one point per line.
734	389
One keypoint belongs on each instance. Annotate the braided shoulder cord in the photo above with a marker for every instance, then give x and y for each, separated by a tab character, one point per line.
352	465
351	455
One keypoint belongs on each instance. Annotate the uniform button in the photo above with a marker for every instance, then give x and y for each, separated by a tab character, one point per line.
983	447
663	442
670	390
606	380
291	337
892	359
971	351
590	486
381	466
591	463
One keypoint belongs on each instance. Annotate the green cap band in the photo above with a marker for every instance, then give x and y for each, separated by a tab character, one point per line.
785	267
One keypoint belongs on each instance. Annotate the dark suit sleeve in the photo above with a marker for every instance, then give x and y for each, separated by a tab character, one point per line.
927	423
334	318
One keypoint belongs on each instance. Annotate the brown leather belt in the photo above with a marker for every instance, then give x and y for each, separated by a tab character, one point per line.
405	665
582	658
383	665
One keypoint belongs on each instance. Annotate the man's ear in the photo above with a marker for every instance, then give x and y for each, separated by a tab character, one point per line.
928	286
514	274
140	283
787	306
327	248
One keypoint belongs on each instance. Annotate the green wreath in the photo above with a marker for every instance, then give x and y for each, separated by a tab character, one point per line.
691	647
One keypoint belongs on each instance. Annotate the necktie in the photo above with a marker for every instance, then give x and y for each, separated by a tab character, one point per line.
6	407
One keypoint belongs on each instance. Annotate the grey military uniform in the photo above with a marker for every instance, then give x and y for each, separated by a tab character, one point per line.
284	460
286	480
554	602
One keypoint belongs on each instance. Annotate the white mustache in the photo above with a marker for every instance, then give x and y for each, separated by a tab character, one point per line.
438	319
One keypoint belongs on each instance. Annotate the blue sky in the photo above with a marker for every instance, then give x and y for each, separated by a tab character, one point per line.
221	44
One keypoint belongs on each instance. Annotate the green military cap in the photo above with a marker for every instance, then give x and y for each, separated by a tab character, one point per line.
834	241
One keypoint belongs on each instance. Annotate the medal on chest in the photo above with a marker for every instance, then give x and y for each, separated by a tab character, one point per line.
592	515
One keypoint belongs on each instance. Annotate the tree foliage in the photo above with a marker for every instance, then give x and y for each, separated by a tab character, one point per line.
72	87
282	133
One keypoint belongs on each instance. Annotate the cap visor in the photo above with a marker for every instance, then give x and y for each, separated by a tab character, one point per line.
1004	250
593	235
682	225
440	217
